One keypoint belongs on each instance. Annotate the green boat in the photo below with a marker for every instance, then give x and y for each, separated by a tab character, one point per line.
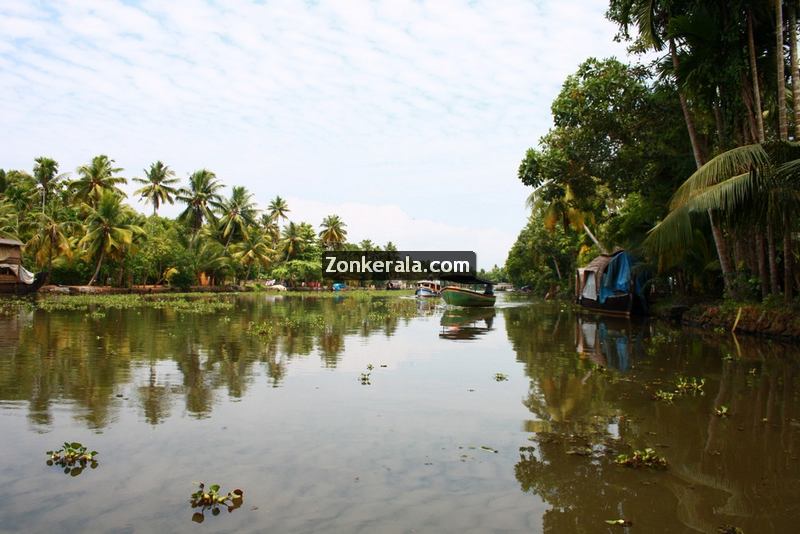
458	296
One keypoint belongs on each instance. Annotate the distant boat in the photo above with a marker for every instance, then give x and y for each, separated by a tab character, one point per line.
468	298
428	288
609	285
14	278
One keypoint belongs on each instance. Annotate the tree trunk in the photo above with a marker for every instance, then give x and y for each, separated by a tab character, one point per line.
788	258
762	264
593	238
773	261
783	131
795	69
699	159
97	270
751	48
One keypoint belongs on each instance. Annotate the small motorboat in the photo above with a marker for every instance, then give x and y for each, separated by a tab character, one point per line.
428	288
456	295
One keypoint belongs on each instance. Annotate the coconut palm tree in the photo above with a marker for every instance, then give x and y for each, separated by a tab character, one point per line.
158	185
750	185
270	226
278	209
201	197
108	229
237	213
254	249
96	178
333	233
45	171
291	242
51	238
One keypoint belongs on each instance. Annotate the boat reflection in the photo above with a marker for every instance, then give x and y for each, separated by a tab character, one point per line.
608	341
466	323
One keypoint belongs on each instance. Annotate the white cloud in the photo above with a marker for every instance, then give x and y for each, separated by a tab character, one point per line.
428	106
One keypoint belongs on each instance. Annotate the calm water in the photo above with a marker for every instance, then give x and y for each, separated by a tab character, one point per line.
169	398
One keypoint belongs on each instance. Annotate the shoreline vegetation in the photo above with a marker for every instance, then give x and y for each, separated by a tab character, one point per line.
81	231
687	157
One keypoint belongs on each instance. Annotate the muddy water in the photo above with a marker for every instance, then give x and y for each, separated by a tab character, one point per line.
269	397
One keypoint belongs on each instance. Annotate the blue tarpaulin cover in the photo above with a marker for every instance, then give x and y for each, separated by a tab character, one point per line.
617	278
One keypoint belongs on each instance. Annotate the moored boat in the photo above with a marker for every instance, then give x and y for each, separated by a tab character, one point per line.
14	278
428	288
609	285
459	296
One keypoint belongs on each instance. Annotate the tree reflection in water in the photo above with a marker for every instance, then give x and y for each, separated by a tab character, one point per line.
163	354
591	394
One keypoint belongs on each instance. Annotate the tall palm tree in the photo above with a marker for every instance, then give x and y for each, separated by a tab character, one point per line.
96	178
50	239
748	185
201	197
291	242
237	213
158	185
653	19
333	233
108	229
45	171
278	209
254	249
270	226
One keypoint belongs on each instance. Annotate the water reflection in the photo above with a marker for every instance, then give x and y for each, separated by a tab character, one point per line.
466	323
741	470
92	360
580	390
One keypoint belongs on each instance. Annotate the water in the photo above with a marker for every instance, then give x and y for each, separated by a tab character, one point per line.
169	398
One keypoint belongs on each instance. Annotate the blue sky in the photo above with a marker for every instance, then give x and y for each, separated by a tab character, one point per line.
408	119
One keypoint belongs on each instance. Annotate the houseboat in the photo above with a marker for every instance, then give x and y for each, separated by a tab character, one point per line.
609	285
14	278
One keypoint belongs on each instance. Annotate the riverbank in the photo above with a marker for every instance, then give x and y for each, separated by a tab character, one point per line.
765	320
160	290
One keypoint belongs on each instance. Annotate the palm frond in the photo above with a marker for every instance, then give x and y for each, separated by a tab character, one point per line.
732	163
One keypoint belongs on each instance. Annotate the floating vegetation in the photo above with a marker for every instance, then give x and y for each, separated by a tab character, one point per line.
73	457
729	529
690	385
645	458
619	522
200	303
488	449
212	499
666	396
96	315
500	377
364	378
722	411
260	329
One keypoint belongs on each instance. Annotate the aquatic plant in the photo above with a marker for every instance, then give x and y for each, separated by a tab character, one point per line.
666	396
690	385
500	377
619	522
644	458
212	499
73	457
722	411
364	378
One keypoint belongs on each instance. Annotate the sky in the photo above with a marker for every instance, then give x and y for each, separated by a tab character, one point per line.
406	118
